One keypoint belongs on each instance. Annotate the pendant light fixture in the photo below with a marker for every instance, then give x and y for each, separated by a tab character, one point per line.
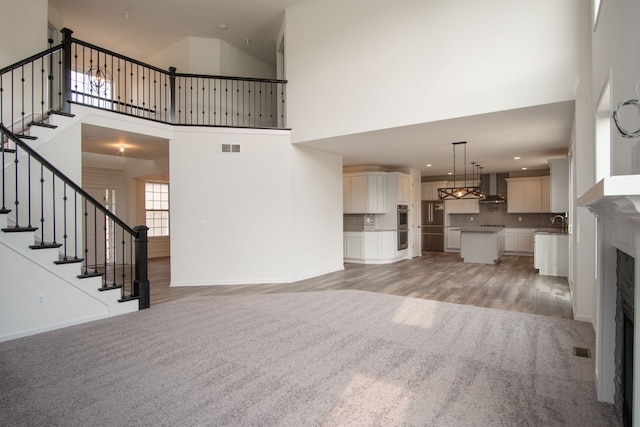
462	191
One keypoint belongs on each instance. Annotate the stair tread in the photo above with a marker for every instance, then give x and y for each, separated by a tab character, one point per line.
68	261
89	274
44	125
46	245
23	136
129	298
61	113
19	229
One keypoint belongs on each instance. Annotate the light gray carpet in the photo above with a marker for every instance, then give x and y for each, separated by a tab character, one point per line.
327	358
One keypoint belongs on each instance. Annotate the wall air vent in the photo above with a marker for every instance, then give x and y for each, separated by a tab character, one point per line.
230	148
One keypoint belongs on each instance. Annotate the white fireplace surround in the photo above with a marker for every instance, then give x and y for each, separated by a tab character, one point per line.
615	201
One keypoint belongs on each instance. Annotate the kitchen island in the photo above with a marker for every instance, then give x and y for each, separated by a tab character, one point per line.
483	245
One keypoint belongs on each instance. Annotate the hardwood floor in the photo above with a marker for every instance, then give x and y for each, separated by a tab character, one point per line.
511	284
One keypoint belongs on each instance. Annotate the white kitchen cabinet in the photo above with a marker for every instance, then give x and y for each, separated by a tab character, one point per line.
354	245
456	206
559	185
528	195
371	247
429	190
453	239
404	188
551	256
519	240
364	193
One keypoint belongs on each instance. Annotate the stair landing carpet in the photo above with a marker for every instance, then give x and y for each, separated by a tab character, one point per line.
330	358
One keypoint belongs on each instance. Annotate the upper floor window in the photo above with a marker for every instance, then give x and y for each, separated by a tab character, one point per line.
92	88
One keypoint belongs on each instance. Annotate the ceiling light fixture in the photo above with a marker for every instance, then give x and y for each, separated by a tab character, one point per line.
516	158
428	165
98	80
464	191
121	149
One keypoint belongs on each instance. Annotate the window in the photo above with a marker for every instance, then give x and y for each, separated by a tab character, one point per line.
157	208
91	90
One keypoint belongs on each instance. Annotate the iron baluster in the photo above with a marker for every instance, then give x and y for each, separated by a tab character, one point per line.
106	251
53	204
95	240
123	263
86	239
16	162
42	204
29	190
64	222
22	112
75	225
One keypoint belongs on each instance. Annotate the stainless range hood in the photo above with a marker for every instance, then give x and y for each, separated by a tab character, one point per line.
493	197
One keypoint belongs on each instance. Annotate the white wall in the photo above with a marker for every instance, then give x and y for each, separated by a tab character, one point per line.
201	55
316	194
385	64
583	149
20	313
613	56
231	221
26	22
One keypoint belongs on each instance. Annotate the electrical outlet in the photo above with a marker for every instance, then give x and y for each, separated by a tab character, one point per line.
41	299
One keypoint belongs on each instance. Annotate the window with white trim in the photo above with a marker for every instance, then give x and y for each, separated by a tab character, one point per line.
157	208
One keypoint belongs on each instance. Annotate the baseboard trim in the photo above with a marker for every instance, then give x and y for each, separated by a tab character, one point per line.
47	328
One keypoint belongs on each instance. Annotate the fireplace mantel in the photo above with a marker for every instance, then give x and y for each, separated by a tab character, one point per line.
615	196
615	201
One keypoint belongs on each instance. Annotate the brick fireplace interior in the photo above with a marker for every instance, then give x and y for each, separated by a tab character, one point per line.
625	273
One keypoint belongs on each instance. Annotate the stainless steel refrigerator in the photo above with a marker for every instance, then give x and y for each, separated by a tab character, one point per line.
432	226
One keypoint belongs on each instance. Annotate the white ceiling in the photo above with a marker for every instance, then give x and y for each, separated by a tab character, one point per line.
493	140
140	28
535	134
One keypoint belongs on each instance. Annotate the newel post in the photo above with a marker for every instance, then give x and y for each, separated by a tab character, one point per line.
141	282
65	90
172	94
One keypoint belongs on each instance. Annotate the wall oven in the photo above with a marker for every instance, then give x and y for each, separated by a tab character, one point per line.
403	239
403	217
403	227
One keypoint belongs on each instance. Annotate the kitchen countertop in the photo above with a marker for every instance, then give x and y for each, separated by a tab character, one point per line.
551	231
482	229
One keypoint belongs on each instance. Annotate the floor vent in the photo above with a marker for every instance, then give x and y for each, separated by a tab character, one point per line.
230	148
582	352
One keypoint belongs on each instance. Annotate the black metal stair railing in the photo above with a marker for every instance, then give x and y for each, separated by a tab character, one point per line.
71	220
40	197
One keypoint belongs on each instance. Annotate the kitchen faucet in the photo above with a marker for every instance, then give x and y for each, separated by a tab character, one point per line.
563	220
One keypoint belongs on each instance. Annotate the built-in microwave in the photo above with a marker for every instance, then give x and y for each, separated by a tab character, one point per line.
403	217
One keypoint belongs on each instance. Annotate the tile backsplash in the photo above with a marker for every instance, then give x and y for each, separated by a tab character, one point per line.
358	222
497	215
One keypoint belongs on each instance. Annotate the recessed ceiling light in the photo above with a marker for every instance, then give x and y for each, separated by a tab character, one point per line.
223	26
428	165
450	173
524	169
516	158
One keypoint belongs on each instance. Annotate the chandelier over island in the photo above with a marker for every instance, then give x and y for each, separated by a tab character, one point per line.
463	191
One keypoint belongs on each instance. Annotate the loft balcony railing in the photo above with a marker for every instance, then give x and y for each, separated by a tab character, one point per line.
107	80
77	72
